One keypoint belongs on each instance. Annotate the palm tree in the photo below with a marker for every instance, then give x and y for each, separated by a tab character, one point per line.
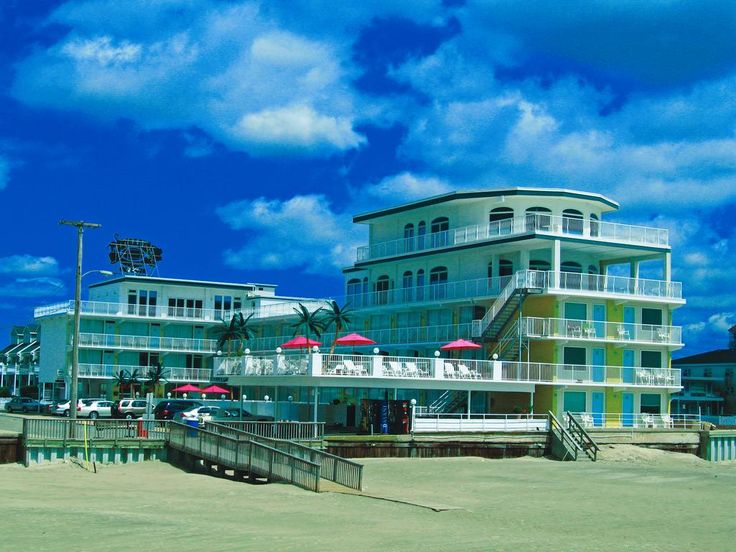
339	317
236	330
155	375
133	378
308	322
121	380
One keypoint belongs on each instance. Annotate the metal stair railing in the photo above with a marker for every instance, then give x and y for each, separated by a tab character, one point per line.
523	279
440	403
508	342
582	437
334	468
557	429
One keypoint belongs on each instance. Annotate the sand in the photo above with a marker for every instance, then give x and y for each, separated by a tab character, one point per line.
633	499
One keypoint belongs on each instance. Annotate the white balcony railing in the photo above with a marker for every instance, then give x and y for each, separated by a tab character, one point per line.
146	343
274	310
539	223
393	367
590	330
638	420
171	374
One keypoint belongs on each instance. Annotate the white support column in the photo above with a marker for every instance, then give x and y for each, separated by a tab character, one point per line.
315	364
316	403
556	256
523	259
469	398
668	267
438	367
276	403
377	366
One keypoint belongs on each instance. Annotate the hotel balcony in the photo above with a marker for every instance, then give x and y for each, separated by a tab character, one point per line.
595	331
146	343
179	314
109	371
531	223
377	368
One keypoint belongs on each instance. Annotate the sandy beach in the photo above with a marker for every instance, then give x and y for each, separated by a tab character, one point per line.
632	499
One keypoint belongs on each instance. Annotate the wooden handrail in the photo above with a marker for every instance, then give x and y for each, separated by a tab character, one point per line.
589	446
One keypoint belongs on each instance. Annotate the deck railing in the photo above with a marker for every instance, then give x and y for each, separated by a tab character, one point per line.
292	431
592	330
583	373
424	422
334	468
94	430
172	373
245	455
592	420
144	342
541	223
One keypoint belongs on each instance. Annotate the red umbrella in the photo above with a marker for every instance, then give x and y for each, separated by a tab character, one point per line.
460	345
216	389
188	388
300	342
354	339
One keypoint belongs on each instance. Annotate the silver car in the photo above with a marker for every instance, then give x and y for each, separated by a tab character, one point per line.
94	409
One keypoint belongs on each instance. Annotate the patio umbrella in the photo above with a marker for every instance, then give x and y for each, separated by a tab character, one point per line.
188	388
355	340
300	342
460	345
216	389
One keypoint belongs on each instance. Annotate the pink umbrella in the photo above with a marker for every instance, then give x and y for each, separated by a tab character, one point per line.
460	345
188	388
300	342
355	340
216	389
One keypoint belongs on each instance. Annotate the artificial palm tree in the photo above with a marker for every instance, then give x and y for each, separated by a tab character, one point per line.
236	330
155	375
121	380
133	379
308	322
339	317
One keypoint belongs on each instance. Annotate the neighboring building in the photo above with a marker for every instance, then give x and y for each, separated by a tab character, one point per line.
19	360
708	382
531	274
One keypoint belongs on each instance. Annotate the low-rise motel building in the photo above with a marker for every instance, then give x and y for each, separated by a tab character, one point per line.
573	313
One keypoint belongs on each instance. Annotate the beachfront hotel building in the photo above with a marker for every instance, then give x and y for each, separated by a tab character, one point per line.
556	296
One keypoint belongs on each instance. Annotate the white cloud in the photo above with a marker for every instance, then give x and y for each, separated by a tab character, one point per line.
298	127
28	265
406	186
33	287
302	232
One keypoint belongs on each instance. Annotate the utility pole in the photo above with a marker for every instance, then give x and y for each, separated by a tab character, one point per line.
80	226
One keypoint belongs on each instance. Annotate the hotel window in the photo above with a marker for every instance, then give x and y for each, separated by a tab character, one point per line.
438	283
421	232
651	403
148	359
223	306
538	218
407	285
440	229
594	225
651	359
572	221
420	285
142	303
501	221
409	237
185	308
382	289
571	275
651	316
354	292
505	267
538	265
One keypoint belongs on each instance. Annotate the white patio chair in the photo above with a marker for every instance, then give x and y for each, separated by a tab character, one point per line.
450	371
647	420
590	332
643	376
574	330
394	368
466	372
667	421
663	334
411	370
354	369
586	420
623	333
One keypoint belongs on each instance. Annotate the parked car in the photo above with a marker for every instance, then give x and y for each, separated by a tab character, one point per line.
62	408
94	409
165	410
233	414
200	413
23	404
129	408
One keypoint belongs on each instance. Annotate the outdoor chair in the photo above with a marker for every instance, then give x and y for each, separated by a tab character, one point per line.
586	420
647	420
623	333
667	421
590	332
574	330
467	373
411	370
663	334
643	376
450	371
394	368
354	369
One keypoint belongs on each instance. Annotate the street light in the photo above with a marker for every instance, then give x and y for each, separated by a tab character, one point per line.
80	226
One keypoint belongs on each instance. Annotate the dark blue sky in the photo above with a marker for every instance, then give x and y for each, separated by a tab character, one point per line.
241	136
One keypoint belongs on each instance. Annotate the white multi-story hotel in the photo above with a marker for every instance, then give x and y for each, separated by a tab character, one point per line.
553	293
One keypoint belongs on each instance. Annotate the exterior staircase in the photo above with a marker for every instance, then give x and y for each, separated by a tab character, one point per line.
570	441
448	402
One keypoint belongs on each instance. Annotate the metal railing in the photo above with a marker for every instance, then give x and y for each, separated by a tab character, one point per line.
101	308
143	342
584	373
528	223
585	441
558	430
63	429
334	468
425	422
171	373
568	328
246	456
291	431
592	420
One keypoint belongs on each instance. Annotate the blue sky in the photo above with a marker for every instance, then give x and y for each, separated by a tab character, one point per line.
241	136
